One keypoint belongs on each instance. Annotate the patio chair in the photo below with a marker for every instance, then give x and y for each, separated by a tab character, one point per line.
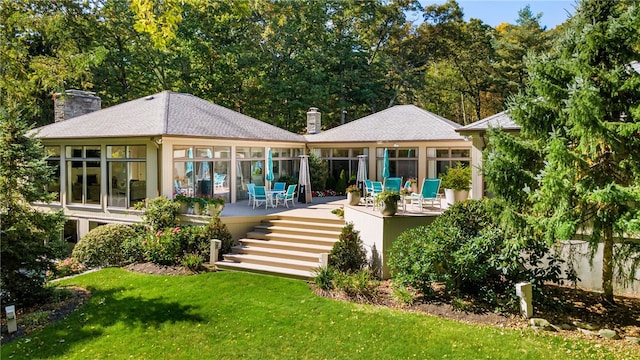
260	196
251	190
279	186
376	188
218	180
428	193
393	184
288	196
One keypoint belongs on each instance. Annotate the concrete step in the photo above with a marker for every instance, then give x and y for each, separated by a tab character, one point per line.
266	228
288	245
293	238
265	269
273	261
298	224
315	218
276	253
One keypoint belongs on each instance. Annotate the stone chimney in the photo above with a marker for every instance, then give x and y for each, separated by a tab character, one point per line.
74	103
313	121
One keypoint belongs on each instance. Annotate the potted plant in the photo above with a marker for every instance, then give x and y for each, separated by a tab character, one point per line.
199	204
185	203
388	202
215	205
353	195
456	183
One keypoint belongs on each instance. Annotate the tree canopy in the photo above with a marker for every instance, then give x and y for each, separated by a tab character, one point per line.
268	59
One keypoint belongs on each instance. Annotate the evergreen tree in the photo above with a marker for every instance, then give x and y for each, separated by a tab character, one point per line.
27	236
575	169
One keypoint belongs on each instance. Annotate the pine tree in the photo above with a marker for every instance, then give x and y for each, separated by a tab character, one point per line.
27	236
575	169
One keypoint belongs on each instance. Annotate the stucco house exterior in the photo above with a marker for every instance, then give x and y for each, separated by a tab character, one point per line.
167	143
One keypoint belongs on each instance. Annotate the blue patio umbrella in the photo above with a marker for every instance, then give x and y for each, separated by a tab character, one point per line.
268	176
189	166
385	164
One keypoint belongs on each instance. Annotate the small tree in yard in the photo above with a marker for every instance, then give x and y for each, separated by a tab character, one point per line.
27	236
576	166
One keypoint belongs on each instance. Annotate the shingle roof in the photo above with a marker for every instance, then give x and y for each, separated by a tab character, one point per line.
499	120
167	113
398	123
636	66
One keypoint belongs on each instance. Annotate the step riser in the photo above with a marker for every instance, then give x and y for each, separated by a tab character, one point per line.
298	232
288	246
257	251
269	263
335	221
302	225
299	240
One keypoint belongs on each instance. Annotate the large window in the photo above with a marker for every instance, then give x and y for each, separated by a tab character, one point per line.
403	162
127	171
83	174
342	159
53	161
438	160
202	171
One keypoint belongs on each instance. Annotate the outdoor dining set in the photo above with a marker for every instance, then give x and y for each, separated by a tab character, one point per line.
271	197
428	194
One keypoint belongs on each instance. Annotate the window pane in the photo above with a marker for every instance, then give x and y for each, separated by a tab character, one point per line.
75	179
243	153
407	153
54	184
116	152
442	153
459	153
357	151
137	152
204	153
222	172
325	153
441	167
92	151
222	152
182	152
74	151
340	153
296	152
257	153
93	182
138	182
52	151
117	188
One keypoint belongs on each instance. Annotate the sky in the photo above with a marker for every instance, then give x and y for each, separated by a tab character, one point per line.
494	12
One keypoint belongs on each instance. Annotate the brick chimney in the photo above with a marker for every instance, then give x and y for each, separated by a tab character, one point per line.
74	103
314	122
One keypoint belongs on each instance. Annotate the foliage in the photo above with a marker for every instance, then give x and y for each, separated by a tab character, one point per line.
348	253
353	189
341	185
324	277
102	246
338	212
468	251
331	183
318	170
574	169
457	178
163	247
215	229
360	284
160	213
66	267
290	180
192	261
30	240
388	197
403	294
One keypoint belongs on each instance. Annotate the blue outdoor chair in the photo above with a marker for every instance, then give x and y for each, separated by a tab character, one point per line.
251	189
288	196
260	196
428	193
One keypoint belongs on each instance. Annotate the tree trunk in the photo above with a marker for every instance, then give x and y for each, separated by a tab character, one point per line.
607	265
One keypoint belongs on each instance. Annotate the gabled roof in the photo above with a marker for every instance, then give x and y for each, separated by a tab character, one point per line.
398	123
500	120
166	113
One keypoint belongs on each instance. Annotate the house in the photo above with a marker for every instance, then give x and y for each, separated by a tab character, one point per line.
172	143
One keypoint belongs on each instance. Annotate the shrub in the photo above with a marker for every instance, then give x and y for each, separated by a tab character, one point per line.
163	247
192	261
161	213
324	277
331	183
353	180
359	285
215	229
403	295
348	253
67	267
467	250
457	178
341	185
102	246
318	171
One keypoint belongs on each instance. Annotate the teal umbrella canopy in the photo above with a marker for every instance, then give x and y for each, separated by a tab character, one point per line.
189	166
268	175
385	164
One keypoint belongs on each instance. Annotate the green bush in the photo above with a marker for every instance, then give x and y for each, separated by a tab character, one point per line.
331	183
467	251
353	180
359	285
341	185
161	213
324	277
192	261
164	246
102	246
318	171
348	253
215	229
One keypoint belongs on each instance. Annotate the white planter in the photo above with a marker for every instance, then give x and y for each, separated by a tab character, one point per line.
453	196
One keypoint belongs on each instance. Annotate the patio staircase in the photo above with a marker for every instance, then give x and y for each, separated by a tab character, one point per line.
285	245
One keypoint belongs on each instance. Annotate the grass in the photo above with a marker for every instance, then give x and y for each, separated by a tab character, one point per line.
229	315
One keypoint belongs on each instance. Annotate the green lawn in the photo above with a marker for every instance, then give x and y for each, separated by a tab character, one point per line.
229	315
